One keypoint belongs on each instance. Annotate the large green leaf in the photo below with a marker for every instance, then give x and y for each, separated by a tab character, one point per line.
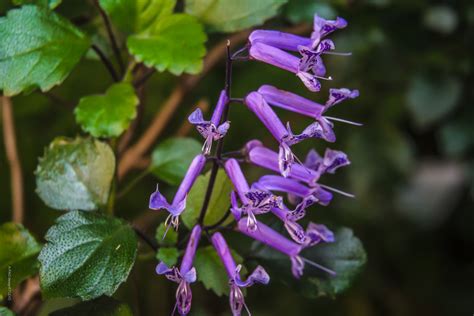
110	114
346	256
170	159
136	15
173	42
218	205
38	48
18	252
211	271
231	15
6	312
103	306
87	255
75	174
303	11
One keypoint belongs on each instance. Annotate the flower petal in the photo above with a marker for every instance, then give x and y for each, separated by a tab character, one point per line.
259	275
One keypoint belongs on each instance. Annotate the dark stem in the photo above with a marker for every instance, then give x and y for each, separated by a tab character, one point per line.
149	241
111	35
106	62
236	100
147	74
220	142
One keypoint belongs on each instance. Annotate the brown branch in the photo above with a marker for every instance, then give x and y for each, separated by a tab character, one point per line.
186	127
16	176
215	55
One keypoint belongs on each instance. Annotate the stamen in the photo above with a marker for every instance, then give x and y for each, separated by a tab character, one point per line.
301	163
314	264
323	78
343	121
338	53
336	190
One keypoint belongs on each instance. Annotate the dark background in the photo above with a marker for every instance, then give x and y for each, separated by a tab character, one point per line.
412	164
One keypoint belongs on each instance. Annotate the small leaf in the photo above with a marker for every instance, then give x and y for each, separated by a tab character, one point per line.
87	255
169	239
103	306
6	312
168	255
75	174
136	15
218	205
38	48
430	99
211	271
173	42
170	159
18	253
110	114
231	15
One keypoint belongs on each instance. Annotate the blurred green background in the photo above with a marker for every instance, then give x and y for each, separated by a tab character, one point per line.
412	162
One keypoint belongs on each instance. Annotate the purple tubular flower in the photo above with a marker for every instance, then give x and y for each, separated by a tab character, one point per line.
236	297
158	201
268	159
254	202
332	160
285	137
295	103
211	130
185	275
280	243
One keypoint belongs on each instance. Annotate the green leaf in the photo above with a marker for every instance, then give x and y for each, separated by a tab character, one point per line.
110	114
6	312
303	11
346	256
218	205
75	174
173	42
38	48
431	99
51	4
87	255
211	271
169	239
170	159
231	15
136	15
18	253
103	306
168	255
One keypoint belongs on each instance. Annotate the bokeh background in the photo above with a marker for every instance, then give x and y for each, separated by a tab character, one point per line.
412	162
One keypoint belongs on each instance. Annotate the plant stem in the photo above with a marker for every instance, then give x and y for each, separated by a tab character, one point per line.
110	33
220	142
106	62
149	241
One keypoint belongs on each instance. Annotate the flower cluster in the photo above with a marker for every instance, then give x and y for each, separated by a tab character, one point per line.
298	181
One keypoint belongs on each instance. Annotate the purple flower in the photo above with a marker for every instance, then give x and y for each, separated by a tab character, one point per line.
236	297
185	275
270	46
332	160
280	243
295	103
211	130
158	201
254	202
285	137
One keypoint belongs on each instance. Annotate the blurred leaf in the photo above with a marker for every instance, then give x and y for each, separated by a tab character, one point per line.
75	174
6	312
173	42
230	16
110	114
51	4
457	135
87	255
103	306
136	15
168	255
38	48
170	159
441	18
211	271
18	253
303	11
429	99
346	256
171	236
218	205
